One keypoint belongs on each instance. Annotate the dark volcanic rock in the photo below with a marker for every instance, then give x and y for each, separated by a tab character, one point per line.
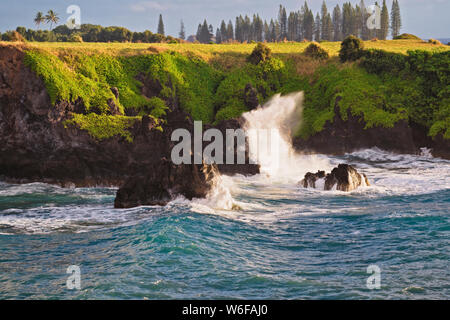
165	181
37	145
310	179
343	178
342	136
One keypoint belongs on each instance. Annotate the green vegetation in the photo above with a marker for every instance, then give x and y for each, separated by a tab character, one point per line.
351	49
104	126
383	88
359	92
315	51
261	53
209	81
407	36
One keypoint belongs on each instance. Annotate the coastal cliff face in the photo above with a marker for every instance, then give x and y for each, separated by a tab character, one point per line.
341	136
37	144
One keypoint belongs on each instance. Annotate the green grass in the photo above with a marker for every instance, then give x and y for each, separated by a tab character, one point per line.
103	126
208	82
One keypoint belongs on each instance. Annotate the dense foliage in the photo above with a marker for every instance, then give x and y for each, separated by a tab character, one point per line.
351	49
186	81
315	51
88	33
383	89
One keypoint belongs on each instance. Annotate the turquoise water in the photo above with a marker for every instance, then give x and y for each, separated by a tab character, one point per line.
285	243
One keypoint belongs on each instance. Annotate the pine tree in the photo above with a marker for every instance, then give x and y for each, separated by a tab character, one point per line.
258	27
396	19
308	22
230	31
346	19
161	25
324	26
337	24
365	34
182	33
238	29
317	28
223	31
218	36
292	26
384	22
328	36
282	20
266	31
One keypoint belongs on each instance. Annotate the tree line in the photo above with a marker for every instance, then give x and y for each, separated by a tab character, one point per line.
86	33
328	25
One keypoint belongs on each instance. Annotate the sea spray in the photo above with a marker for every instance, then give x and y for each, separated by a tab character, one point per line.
269	129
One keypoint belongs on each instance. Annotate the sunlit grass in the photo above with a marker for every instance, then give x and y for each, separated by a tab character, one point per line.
209	51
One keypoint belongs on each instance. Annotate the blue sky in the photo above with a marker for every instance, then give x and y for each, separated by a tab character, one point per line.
425	18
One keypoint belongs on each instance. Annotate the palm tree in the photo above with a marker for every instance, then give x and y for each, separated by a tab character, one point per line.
39	19
51	17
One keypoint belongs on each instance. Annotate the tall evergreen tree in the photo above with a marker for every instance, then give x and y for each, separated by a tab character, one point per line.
363	21
308	22
292	26
266	31
384	31
337	24
218	36
347	22
182	34
282	20
223	31
161	25
317	28
230	31
396	19
324	26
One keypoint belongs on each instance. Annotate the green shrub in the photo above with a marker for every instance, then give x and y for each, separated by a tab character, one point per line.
351	49
315	51
157	107
75	37
261	53
434	41
13	36
380	61
406	36
359	92
104	126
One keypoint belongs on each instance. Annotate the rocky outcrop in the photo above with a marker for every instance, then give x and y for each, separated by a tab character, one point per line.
165	181
343	136
36	145
343	178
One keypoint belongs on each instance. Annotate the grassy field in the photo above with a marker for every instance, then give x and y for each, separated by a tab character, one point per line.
209	80
210	51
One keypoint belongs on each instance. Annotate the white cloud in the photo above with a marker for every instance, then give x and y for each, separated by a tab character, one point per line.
148	5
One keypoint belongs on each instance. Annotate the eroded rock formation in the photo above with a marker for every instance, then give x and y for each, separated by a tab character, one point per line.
344	178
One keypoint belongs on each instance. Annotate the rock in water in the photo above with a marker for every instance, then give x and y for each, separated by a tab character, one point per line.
164	182
343	178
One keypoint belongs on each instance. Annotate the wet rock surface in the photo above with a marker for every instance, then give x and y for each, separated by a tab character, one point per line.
344	178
